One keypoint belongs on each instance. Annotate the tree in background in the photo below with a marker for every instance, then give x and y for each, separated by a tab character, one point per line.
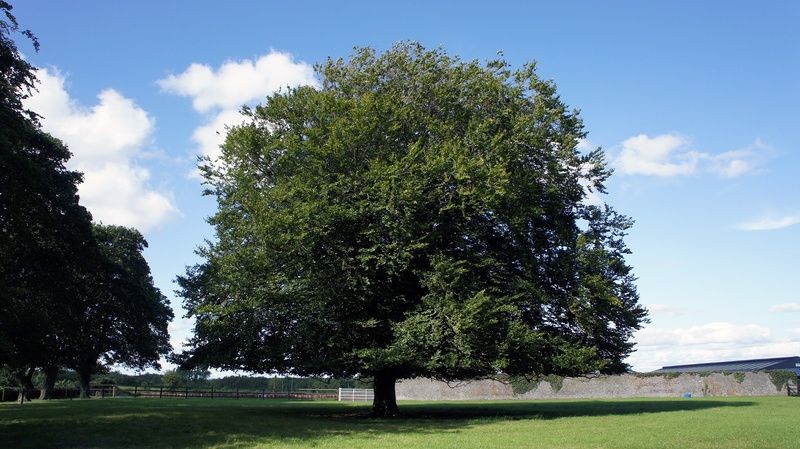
123	318
174	379
417	215
197	376
45	235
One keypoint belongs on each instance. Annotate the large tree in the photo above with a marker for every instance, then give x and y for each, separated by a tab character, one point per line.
122	317
45	235
416	215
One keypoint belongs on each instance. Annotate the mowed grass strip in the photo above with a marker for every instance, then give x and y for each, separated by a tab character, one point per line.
228	423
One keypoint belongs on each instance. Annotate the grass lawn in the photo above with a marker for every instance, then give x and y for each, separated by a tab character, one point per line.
766	422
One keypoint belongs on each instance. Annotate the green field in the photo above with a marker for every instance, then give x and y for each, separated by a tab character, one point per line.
204	423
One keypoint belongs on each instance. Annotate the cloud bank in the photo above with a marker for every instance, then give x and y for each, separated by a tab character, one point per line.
106	141
710	342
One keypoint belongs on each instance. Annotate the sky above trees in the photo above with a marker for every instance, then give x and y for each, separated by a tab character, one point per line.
695	105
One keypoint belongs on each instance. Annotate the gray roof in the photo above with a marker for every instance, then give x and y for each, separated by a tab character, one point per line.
735	365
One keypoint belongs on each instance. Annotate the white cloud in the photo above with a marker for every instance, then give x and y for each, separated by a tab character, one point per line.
657	347
769	223
180	330
718	332
585	145
220	93
238	82
211	135
663	155
668	155
731	164
592	197
666	309
788	307
648	359
106	140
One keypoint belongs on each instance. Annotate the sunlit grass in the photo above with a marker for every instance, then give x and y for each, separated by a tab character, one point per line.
230	423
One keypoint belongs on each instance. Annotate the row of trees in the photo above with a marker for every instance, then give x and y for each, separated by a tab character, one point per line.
196	379
72	293
179	378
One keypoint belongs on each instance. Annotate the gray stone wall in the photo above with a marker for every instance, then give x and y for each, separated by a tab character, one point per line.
623	386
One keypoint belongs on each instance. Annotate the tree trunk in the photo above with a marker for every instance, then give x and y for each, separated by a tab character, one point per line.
85	375
23	378
50	375
384	404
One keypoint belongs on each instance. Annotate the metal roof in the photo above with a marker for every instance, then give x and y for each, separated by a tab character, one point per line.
735	365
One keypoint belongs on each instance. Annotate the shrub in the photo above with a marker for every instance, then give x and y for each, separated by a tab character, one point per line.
522	385
555	381
739	377
781	377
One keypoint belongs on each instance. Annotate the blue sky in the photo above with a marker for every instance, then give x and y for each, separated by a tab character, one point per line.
695	104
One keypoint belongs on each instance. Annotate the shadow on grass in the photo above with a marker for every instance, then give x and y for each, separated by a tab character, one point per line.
129	423
558	409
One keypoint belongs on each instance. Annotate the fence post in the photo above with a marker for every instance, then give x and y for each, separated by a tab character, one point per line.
237	392
212	392
4	395
135	390
160	392
186	393
263	393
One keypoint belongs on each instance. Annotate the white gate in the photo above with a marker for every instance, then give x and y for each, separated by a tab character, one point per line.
356	394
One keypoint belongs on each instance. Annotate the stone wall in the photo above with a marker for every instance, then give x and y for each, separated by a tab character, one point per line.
623	386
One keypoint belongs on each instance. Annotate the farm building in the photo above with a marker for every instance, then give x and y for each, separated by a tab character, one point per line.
779	363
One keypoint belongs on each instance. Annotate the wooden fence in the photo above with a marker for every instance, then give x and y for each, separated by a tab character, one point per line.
186	393
10	394
102	391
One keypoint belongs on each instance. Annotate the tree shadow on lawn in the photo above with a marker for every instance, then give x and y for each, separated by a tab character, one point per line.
545	409
129	423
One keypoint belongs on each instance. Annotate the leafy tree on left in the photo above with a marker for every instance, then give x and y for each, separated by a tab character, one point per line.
44	232
54	268
122	317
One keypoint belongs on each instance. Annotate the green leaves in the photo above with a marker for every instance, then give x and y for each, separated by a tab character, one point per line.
417	215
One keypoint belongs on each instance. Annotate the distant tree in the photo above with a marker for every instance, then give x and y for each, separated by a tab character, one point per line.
123	317
415	216
196	376
45	235
174	379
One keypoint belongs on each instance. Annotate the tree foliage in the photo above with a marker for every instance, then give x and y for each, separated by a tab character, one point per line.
123	317
417	215
44	233
70	294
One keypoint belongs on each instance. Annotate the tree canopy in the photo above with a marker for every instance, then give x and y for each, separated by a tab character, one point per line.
416	215
44	232
71	294
122	317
